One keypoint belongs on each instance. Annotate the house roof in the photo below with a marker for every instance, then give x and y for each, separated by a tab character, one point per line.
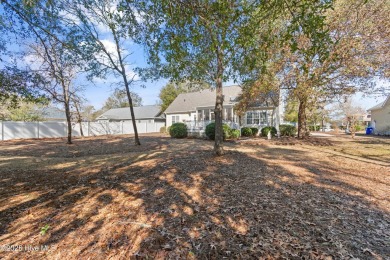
53	113
139	112
187	102
380	105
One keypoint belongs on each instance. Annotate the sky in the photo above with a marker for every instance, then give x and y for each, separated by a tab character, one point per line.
96	93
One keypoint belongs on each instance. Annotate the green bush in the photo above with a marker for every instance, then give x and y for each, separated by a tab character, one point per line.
359	128
210	131
178	130
314	128
265	130
246	131
287	130
255	131
163	129
235	133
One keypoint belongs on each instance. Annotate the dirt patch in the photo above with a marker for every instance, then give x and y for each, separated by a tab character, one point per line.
105	198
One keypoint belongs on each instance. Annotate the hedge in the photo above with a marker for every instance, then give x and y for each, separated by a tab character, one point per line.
246	131
210	131
287	130
235	133
255	131
265	130
178	130
163	129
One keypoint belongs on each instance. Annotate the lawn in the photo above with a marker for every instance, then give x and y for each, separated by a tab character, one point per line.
103	198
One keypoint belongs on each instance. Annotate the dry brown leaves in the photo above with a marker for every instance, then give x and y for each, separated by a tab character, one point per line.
169	198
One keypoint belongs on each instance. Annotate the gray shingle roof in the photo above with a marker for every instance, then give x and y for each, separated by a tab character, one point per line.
380	105
187	102
53	113
139	112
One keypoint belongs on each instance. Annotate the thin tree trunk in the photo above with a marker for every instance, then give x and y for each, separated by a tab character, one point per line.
136	138
79	118
81	129
218	144
122	70
302	129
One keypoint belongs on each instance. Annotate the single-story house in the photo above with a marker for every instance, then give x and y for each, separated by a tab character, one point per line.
380	117
196	109
144	114
53	114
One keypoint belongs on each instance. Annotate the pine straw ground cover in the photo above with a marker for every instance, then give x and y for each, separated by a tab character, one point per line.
103	198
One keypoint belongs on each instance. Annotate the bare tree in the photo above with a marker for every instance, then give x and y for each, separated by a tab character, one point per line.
58	70
351	114
107	34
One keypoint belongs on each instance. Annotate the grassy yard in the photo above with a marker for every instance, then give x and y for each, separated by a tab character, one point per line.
100	198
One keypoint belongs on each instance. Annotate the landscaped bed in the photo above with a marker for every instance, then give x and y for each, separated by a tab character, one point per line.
172	198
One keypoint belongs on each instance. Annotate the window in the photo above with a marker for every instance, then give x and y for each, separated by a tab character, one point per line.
256	118
249	118
206	114
263	118
175	119
229	114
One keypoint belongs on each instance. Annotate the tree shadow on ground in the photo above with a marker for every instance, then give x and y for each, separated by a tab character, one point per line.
184	202
81	147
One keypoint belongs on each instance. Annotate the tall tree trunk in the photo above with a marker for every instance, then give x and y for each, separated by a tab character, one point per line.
302	128
69	123
277	120
65	89
218	144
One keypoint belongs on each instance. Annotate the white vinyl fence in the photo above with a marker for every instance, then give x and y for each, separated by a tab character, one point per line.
15	130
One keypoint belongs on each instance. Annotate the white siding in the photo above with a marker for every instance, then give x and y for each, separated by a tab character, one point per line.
182	117
382	120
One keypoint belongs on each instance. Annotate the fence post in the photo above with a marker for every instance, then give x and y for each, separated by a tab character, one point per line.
2	130
88	125
122	127
146	128
38	129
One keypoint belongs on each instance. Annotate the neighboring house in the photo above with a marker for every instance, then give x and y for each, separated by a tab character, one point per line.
53	114
366	119
144	114
380	117
196	109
